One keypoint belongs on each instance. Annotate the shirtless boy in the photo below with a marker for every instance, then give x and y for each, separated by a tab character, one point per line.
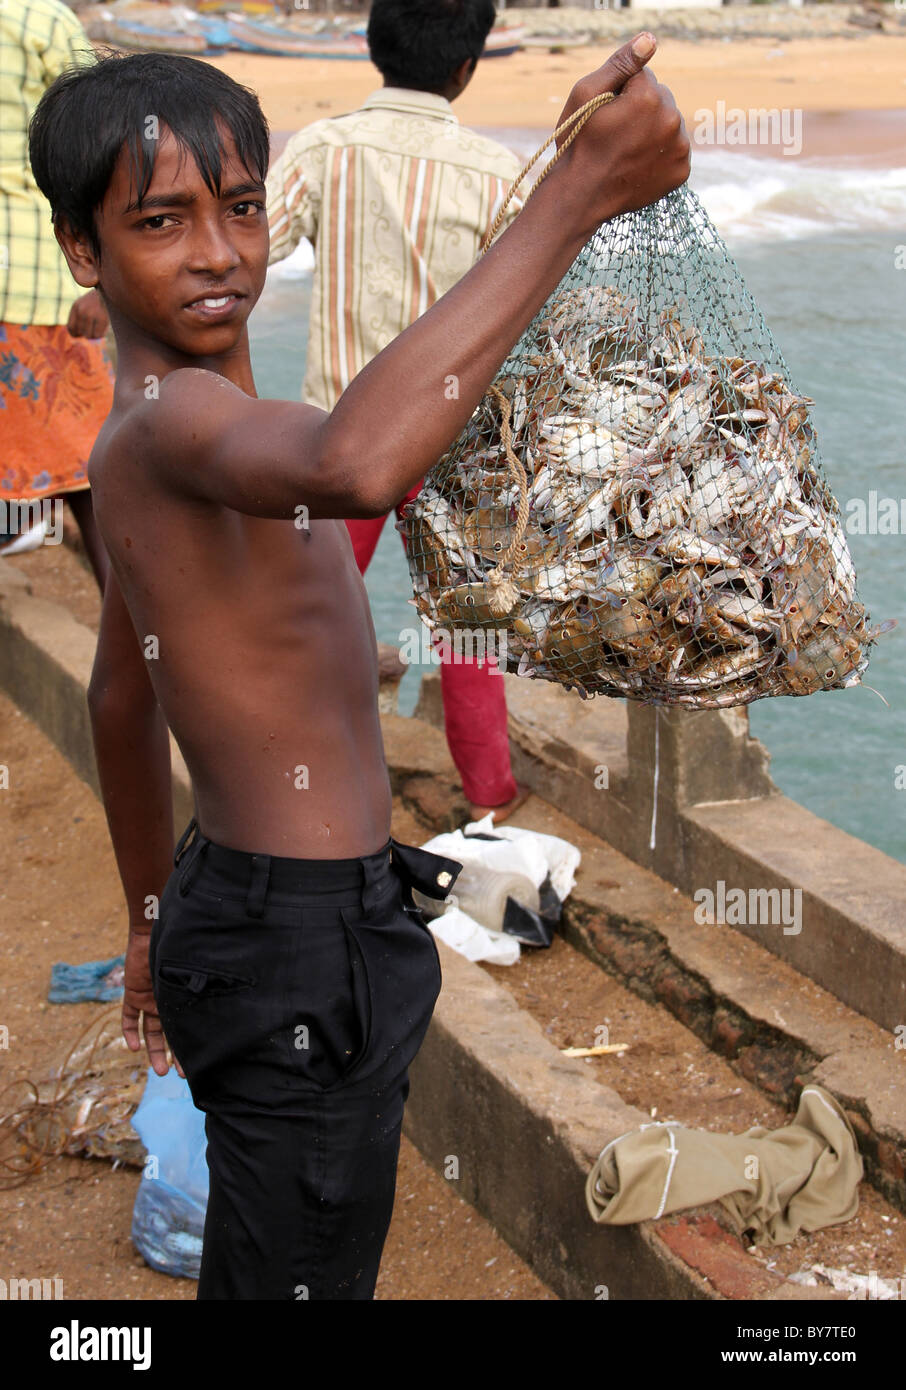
288	969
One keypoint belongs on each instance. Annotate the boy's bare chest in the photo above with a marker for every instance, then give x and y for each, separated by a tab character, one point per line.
243	578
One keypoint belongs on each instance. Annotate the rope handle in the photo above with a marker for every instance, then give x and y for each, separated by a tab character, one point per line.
577	120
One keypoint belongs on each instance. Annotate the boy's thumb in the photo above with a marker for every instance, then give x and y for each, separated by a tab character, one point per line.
626	62
612	76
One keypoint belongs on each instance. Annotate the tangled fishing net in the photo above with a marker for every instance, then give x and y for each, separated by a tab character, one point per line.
637	507
85	1106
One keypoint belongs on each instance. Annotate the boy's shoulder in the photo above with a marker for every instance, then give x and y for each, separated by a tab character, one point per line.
183	410
174	398
189	406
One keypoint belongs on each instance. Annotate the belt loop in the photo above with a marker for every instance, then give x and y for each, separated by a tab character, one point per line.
257	894
182	843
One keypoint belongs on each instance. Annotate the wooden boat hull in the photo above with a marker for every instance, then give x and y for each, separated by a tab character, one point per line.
216	33
142	38
259	37
504	41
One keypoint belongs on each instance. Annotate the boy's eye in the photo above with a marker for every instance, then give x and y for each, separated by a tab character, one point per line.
155	224
248	208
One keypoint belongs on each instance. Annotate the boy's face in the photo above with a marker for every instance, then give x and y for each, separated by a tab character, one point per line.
186	268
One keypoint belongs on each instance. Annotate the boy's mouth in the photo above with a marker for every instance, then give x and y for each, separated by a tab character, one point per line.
214	307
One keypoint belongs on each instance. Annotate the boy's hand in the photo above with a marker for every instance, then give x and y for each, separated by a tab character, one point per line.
88	317
139	1003
633	150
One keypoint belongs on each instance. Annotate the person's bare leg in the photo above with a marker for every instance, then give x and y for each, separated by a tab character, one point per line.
83	511
502	813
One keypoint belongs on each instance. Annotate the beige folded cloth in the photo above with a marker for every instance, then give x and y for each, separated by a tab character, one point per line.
773	1183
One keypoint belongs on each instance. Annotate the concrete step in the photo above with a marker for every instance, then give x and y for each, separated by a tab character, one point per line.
526	1125
853	897
585	758
779	1028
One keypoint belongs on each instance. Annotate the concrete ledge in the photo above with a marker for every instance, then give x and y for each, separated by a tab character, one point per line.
525	1126
853	940
422	772
779	1029
853	937
45	664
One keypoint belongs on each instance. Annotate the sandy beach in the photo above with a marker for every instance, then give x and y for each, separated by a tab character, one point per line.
853	92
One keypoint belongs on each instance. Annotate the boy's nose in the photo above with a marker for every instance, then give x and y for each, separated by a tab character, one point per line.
212	251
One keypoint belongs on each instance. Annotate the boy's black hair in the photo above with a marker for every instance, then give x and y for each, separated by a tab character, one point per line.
90	114
420	43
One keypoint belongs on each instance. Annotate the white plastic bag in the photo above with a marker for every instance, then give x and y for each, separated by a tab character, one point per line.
470	939
519	861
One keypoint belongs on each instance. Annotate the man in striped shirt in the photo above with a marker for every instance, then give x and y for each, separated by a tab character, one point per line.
396	198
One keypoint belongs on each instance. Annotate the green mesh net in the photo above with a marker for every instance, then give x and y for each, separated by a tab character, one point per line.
660	528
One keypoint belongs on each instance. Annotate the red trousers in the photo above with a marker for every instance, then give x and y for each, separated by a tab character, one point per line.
475	716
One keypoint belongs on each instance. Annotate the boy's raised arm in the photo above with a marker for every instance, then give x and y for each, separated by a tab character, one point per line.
399	415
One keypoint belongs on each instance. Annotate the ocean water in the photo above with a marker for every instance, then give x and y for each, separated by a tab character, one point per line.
817	242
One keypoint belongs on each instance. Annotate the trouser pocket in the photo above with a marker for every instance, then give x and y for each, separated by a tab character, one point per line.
198	980
402	972
325	1011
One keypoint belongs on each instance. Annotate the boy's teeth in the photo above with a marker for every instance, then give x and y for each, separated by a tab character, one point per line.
215	303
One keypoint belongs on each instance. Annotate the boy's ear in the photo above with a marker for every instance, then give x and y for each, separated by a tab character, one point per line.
80	256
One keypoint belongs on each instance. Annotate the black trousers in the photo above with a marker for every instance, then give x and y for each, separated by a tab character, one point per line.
295	993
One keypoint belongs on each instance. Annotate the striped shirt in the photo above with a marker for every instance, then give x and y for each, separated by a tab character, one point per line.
38	39
396	198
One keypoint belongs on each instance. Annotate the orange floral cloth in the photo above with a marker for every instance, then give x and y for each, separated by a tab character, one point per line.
55	393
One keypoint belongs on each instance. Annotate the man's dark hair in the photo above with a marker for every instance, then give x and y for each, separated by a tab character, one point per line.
420	43
90	114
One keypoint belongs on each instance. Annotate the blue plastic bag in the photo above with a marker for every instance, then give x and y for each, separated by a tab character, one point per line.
168	1216
73	984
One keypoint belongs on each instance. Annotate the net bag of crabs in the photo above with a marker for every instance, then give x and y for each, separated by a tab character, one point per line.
637	507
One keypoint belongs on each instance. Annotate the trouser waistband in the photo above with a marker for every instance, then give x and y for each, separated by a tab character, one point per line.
263	878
